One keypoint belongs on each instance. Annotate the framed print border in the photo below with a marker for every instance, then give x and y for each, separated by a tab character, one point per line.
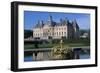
15	28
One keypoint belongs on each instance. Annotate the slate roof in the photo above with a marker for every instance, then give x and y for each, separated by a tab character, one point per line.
52	23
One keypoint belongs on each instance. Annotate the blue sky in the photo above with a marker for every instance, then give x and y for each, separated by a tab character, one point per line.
31	18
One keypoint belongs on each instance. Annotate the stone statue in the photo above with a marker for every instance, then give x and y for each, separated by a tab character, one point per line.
61	52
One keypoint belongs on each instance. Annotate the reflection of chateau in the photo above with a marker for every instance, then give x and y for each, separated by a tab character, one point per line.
55	30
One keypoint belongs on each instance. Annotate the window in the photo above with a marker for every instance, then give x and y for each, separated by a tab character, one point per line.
62	33
50	28
59	33
65	33
55	33
59	28
64	28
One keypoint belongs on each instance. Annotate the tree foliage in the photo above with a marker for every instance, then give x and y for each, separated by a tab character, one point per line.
28	33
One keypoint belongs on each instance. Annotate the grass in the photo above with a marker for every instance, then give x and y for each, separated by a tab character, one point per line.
67	42
31	46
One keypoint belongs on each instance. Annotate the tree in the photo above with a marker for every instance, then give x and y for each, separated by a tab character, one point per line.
28	33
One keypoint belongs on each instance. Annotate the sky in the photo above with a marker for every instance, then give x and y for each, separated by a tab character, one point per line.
31	18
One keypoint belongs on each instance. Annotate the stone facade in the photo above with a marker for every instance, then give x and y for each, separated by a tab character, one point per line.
56	30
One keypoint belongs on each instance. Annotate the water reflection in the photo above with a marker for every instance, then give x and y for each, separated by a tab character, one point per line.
84	54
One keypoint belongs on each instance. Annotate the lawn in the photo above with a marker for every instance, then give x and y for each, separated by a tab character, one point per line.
67	42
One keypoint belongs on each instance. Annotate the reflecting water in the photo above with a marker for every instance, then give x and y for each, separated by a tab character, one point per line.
28	58
85	56
82	56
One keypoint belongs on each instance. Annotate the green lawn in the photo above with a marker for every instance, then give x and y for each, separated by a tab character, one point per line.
69	43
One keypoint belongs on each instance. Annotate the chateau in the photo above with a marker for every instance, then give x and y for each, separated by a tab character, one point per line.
56	30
